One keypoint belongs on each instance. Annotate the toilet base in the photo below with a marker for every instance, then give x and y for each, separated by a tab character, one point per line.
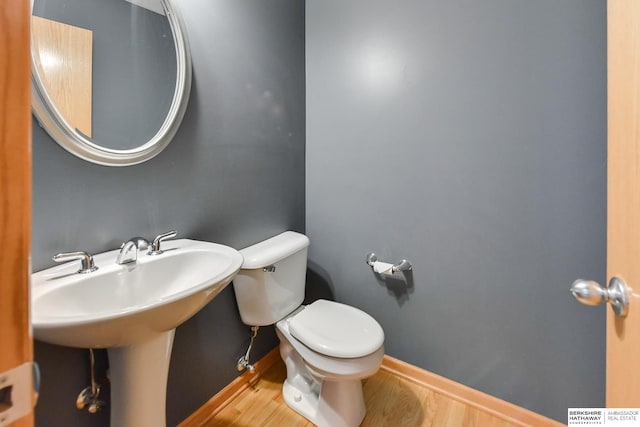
339	403
325	390
324	402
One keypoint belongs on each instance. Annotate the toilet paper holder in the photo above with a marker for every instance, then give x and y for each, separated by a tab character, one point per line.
386	268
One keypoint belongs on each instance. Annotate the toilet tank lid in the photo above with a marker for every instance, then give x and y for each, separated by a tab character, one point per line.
272	250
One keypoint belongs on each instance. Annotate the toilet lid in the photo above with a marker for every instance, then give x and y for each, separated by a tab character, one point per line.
337	330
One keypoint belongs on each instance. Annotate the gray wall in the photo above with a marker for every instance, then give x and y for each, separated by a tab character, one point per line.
470	138
234	174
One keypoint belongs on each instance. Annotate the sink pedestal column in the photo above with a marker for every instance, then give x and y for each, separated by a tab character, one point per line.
138	375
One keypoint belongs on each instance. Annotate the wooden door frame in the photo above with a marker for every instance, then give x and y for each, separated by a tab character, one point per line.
623	198
15	188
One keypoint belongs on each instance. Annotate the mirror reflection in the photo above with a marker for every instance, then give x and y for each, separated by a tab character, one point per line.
109	67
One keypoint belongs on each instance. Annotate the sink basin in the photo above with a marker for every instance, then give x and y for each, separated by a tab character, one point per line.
119	305
132	310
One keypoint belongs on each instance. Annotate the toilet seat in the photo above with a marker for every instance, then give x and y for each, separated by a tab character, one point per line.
331	367
336	330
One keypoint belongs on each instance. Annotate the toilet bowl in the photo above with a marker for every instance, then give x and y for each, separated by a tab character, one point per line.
327	347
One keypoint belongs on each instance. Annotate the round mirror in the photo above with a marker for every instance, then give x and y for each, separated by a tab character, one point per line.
110	78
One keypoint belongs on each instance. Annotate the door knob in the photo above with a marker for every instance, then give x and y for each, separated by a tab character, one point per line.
589	292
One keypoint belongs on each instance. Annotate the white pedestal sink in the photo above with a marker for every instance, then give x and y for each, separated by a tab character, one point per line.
132	310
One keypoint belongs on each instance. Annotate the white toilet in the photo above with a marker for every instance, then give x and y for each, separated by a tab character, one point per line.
328	347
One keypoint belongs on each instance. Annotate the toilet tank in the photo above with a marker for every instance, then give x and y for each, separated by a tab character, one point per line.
271	281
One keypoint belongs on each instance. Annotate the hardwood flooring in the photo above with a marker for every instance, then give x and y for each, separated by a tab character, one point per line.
391	402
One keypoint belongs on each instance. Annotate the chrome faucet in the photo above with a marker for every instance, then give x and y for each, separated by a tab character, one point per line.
129	250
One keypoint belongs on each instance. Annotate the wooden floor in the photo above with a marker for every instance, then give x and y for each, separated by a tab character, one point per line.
391	401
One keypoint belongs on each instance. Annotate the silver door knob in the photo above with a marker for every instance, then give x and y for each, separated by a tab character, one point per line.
589	292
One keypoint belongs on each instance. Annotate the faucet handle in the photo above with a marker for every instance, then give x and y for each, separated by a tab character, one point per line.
86	260
155	246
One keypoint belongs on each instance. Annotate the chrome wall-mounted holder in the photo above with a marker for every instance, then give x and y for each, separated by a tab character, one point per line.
380	267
